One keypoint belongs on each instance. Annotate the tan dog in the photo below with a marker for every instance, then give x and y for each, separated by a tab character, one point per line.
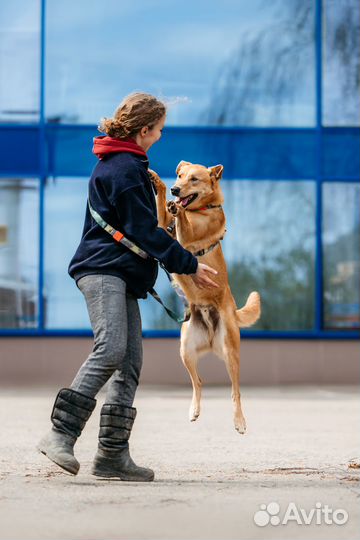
214	323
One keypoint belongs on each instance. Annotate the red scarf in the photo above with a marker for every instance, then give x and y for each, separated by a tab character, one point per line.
110	145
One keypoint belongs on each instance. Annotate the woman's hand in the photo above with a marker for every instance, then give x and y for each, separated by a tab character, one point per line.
202	279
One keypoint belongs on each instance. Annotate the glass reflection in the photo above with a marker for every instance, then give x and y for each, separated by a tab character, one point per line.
238	63
341	240
19	60
269	246
341	63
65	204
19	253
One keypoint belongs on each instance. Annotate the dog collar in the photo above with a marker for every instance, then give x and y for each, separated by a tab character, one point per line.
203	207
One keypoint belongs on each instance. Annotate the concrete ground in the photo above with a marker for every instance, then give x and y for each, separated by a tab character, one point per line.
302	447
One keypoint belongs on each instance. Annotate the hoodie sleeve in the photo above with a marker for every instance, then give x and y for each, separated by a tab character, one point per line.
136	215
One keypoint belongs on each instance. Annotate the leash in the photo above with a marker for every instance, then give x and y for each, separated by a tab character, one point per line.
180	293
121	239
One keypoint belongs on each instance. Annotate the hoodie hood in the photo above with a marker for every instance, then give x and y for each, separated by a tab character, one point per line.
110	145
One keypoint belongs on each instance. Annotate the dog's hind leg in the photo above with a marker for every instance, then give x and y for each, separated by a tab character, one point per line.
190	362
232	365
191	339
228	348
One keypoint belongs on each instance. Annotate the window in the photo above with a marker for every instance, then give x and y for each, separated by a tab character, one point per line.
65	205
239	63
269	247
19	61
19	253
341	238
341	63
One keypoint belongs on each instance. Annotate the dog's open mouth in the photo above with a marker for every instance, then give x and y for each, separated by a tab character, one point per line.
185	201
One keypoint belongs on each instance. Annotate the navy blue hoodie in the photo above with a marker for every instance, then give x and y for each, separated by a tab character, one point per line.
121	192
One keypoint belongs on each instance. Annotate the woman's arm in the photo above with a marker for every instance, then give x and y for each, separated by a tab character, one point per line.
140	225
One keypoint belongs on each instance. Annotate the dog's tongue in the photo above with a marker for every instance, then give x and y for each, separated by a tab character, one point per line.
185	201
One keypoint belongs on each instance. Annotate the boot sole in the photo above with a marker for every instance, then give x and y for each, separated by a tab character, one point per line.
67	467
122	477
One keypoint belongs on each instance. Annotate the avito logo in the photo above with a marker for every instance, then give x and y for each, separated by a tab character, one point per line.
321	514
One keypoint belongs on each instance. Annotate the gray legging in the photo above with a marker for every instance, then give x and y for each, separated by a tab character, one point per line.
117	353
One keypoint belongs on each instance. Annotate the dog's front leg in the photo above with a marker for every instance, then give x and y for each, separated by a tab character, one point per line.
163	215
184	229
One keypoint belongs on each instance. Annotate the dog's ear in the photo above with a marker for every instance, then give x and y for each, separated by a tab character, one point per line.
181	164
216	171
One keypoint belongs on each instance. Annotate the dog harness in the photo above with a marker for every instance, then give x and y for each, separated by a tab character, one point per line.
202	252
121	239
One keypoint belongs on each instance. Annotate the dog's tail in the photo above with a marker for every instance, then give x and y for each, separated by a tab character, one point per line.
250	313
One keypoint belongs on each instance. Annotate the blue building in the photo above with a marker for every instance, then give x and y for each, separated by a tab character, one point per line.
268	89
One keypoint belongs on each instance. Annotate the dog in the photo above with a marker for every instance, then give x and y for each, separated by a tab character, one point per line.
197	220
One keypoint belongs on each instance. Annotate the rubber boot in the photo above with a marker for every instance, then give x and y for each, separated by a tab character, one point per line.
69	415
113	459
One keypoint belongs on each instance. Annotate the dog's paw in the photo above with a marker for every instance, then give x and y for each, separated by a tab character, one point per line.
240	425
194	412
156	180
173	208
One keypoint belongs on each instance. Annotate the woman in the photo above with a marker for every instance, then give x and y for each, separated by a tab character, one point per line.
111	278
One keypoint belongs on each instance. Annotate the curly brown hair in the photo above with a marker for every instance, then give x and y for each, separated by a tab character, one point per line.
136	111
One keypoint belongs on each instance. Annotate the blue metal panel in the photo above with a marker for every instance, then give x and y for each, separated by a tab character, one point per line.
341	153
20	150
43	172
152	334
70	150
258	153
245	153
319	289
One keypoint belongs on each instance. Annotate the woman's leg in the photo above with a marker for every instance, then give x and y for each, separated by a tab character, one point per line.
117	414
106	301
107	306
123	383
